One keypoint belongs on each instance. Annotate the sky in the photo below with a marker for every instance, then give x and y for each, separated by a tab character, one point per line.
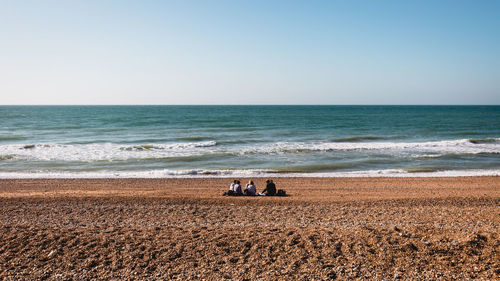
249	52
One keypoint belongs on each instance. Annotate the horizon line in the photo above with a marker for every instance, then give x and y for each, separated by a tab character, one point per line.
249	104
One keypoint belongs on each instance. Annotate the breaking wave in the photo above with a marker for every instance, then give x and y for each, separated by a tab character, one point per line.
422	170
7	157
357	139
463	146
110	151
485	140
201	173
310	168
104	151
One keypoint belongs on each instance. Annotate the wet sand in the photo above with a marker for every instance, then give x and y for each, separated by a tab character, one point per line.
183	229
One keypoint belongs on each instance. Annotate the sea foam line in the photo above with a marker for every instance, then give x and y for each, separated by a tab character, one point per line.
243	174
103	151
446	146
111	151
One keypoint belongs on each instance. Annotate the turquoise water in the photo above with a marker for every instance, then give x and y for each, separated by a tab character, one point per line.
165	141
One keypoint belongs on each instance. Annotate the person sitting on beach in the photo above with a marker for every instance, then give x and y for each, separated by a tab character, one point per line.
237	188
270	189
231	188
250	189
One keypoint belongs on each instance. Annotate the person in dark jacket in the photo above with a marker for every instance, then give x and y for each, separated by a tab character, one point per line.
270	189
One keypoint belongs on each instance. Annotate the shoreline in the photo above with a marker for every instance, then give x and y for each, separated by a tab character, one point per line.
200	174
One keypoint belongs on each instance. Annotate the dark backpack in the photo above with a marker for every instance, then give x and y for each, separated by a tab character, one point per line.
281	192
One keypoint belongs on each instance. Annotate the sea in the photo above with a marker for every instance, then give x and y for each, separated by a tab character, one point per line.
248	141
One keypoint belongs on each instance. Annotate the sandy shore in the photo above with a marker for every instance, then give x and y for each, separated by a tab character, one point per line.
329	228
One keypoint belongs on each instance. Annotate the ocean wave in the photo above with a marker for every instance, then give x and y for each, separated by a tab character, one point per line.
443	156
48	127
447	146
310	168
7	157
240	141
485	140
140	147
422	170
105	151
357	139
191	138
173	146
193	158
205	144
145	140
112	151
29	146
12	138
200	173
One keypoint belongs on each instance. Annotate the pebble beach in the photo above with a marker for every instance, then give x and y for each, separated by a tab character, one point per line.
184	229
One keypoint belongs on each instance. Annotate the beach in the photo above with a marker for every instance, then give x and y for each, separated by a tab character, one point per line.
124	124
184	229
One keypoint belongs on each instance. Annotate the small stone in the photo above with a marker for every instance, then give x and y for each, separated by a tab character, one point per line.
52	253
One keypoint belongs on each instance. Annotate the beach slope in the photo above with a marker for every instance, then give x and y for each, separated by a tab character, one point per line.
327	229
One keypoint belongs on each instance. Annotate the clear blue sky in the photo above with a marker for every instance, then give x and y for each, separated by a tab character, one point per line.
250	52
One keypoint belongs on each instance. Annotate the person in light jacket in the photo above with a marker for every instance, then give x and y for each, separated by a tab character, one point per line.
237	188
250	189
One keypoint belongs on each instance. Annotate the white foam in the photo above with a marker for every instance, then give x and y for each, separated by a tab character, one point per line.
112	152
104	151
449	146
242	174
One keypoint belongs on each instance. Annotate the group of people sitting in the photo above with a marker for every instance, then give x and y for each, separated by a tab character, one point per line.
235	189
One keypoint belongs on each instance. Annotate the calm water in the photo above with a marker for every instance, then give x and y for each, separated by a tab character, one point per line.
165	141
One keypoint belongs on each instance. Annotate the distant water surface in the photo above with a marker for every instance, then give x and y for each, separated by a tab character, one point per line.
167	141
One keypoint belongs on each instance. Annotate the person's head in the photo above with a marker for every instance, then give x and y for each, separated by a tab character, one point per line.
250	182
269	181
238	182
235	181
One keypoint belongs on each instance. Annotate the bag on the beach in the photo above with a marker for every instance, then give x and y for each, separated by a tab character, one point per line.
229	193
281	192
